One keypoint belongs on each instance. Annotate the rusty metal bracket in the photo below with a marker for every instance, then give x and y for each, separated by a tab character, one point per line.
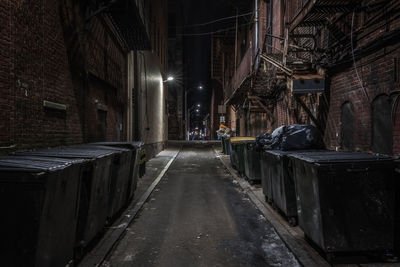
309	113
277	64
259	102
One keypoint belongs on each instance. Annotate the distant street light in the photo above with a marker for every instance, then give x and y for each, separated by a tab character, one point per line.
187	111
197	110
198	105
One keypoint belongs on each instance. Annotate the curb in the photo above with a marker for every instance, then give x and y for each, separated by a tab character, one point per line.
303	252
110	239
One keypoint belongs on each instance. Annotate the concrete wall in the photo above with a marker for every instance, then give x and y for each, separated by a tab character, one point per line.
153	120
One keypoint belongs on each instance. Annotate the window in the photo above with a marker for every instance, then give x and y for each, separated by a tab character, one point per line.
347	127
382	127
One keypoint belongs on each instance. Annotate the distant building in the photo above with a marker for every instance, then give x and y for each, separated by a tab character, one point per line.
177	69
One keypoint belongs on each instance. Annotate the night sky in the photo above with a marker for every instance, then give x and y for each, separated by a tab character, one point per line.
198	52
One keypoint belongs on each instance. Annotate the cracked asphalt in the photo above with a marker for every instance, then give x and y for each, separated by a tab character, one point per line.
198	216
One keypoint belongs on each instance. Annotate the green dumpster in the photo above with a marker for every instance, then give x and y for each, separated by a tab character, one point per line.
227	145
223	145
237	153
252	166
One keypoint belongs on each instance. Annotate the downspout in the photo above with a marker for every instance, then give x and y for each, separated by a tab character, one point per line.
256	30
129	113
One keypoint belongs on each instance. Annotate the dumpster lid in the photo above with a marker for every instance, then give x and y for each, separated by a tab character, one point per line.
286	153
98	146
71	152
241	139
60	160
33	164
338	157
120	144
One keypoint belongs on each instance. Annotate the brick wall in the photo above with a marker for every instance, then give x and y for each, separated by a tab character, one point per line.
37	52
216	99
6	92
377	74
34	68
107	65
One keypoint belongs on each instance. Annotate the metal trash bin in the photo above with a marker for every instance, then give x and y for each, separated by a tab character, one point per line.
94	187
252	165
39	205
134	168
227	145
266	182
237	146
120	177
282	183
345	200
142	163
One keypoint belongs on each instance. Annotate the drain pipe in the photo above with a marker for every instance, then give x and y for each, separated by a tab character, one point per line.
256	16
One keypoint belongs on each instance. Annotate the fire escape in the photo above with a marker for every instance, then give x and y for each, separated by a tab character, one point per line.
295	62
127	17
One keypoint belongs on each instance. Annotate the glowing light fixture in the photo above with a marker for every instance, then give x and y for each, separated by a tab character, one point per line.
169	79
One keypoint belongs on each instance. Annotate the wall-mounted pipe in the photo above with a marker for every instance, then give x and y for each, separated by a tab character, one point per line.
256	44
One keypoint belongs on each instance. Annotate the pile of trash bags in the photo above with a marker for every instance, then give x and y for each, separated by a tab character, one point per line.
292	137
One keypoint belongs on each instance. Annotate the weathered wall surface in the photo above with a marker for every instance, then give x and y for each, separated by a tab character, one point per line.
379	75
34	68
153	110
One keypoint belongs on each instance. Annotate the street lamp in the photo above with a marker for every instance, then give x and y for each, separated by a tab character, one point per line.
198	105
169	79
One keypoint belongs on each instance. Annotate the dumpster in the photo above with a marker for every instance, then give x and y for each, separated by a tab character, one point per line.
223	145
345	200
142	162
134	170
94	195
227	144
39	207
120	177
281	182
252	165
237	153
266	182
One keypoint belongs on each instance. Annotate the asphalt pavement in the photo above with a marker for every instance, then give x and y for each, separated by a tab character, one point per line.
199	216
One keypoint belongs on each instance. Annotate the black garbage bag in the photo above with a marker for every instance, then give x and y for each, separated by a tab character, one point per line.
276	138
270	141
262	140
301	137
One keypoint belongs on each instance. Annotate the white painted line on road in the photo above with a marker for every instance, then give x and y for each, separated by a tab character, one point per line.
110	239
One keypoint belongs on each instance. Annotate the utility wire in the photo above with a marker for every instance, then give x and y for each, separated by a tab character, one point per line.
218	31
214	21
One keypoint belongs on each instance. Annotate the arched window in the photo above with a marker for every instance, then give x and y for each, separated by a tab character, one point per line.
347	127
382	126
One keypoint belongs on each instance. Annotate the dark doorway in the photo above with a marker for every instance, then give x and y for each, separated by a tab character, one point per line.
347	127
101	125
382	126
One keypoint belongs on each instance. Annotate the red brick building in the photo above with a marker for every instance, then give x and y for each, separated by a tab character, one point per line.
64	69
333	64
